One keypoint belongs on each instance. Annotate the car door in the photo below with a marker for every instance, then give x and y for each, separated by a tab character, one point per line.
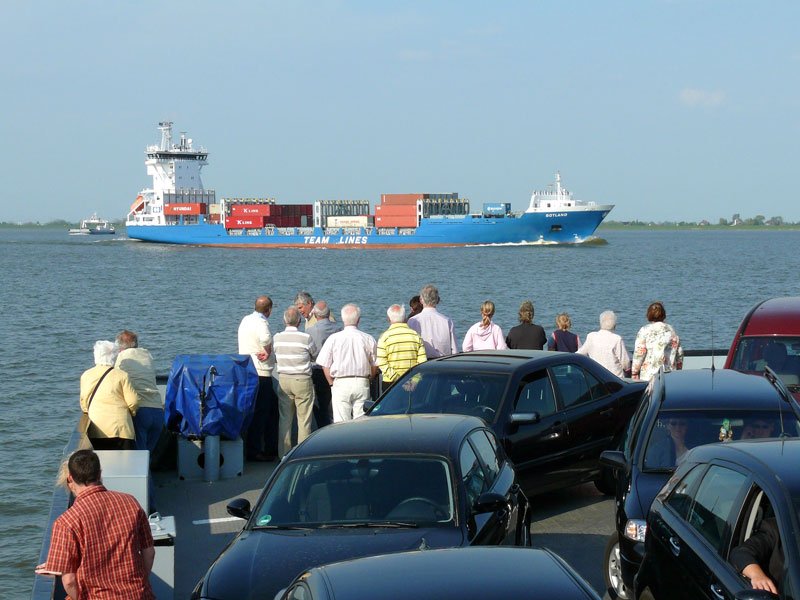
689	533
536	434
483	472
589	414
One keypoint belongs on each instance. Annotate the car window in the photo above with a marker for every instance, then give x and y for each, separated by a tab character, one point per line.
782	354
680	499
673	432
536	395
635	426
716	496
488	455
472	475
353	489
571	384
473	393
598	388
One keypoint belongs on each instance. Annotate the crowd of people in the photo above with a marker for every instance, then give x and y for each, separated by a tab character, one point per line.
318	370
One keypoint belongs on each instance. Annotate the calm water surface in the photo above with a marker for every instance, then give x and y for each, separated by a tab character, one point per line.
62	293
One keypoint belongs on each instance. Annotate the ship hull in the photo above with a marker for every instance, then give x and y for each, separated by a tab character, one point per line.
541	227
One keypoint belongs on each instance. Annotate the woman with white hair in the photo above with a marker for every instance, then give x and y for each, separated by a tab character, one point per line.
606	347
110	401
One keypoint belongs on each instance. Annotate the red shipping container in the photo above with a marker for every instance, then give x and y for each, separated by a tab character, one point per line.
188	208
253	222
307	209
251	210
212	218
400	199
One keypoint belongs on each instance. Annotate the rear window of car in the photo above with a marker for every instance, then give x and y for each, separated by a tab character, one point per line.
477	394
675	432
781	354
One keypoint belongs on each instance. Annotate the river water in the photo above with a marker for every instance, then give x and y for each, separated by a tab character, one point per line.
62	293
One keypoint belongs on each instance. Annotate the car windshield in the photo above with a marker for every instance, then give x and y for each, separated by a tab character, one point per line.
359	490
675	432
476	394
781	354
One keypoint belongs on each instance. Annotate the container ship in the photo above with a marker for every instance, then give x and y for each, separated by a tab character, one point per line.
177	209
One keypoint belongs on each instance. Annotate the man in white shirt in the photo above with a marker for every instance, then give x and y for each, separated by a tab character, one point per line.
255	339
348	360
435	329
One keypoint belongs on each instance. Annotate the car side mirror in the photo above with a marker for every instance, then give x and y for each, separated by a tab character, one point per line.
614	459
368	404
755	595
490	502
524	418
240	508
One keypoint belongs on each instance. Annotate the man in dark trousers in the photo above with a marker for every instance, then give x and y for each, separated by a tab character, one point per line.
101	546
320	331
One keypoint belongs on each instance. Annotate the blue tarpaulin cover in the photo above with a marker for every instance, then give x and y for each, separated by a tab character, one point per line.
229	395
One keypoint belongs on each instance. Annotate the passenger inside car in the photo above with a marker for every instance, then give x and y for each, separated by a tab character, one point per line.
757	428
670	449
760	557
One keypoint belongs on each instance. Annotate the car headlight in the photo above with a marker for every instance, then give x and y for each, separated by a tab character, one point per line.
635	529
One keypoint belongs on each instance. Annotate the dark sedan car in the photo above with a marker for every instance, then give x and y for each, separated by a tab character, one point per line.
457	574
680	410
729	508
367	487
554	412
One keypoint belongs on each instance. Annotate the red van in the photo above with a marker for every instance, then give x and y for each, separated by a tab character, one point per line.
770	336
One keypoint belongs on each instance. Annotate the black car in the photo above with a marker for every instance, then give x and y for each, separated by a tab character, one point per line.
680	410
727	508
554	412
456	573
367	487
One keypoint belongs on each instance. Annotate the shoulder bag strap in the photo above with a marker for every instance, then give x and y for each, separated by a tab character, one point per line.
94	391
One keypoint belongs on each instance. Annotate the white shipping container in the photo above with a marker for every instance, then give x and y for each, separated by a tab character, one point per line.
347	221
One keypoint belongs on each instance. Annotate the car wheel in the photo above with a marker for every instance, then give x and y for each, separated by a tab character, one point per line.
613	570
607	482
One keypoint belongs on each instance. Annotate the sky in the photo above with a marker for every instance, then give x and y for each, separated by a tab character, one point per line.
671	110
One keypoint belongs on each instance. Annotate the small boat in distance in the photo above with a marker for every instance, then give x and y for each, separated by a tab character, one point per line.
94	226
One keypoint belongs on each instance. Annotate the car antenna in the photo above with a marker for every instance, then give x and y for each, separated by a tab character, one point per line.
713	368
783	391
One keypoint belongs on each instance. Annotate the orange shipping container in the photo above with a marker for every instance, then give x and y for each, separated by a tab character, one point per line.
251	210
400	199
389	210
189	208
254	222
395	221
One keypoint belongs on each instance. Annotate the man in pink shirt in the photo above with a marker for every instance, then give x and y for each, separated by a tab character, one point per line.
348	359
435	329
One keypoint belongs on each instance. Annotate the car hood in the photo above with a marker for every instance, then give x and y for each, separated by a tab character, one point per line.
647	486
257	564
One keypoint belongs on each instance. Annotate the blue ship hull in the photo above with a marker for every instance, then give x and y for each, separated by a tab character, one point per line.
556	227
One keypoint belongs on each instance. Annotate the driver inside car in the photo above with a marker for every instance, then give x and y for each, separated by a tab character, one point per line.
760	557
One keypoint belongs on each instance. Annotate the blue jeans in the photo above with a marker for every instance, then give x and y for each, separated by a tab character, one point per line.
148	424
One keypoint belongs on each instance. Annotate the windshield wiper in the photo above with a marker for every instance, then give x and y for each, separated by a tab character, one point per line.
376	524
286	527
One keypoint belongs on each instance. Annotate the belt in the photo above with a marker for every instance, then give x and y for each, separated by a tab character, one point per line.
351	377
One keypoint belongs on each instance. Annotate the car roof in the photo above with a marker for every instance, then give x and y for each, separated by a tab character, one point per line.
476	572
501	361
778	457
401	434
776	316
718	389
